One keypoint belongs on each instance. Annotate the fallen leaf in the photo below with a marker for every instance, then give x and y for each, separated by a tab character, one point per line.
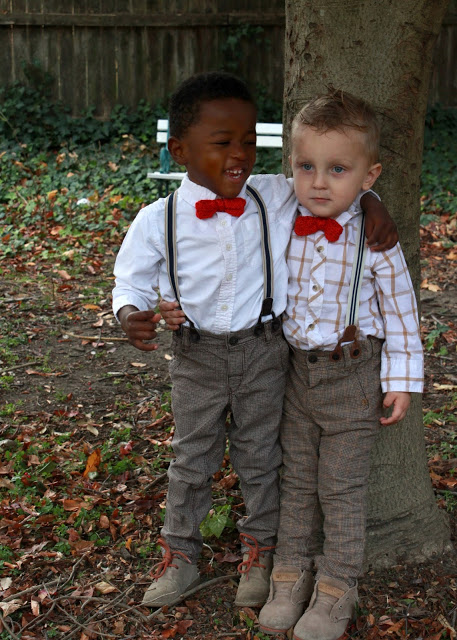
138	364
10	607
64	274
5	583
105	587
431	287
35	606
93	462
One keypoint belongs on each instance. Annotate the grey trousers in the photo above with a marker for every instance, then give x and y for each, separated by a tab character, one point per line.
244	374
330	421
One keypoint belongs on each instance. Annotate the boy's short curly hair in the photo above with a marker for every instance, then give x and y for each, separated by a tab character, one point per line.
340	110
185	103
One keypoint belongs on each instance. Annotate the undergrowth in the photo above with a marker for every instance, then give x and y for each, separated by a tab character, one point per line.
61	177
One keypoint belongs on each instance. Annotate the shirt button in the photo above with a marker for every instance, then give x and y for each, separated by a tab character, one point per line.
320	249
223	223
315	287
228	247
311	327
224	307
229	276
312	358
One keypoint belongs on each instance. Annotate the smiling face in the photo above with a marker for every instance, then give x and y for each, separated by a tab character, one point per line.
330	168
219	149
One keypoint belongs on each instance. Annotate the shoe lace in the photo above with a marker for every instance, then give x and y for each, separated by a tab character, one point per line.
167	561
254	553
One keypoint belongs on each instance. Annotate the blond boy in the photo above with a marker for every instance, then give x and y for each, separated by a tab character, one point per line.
339	369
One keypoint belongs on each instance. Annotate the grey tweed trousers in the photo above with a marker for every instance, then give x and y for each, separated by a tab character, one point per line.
330	421
244	374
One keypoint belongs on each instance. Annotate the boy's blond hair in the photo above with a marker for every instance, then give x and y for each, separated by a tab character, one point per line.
340	110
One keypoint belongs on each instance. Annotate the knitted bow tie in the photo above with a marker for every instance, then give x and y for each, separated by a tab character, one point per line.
305	225
207	208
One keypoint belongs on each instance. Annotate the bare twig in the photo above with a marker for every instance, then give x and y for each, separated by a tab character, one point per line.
95	338
155	482
9	630
19	366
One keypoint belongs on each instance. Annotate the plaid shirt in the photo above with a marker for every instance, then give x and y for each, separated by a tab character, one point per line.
319	280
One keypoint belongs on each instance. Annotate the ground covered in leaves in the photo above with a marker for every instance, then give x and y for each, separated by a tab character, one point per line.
86	425
85	429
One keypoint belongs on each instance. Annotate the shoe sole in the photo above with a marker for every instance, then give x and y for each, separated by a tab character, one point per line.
272	632
341	637
257	605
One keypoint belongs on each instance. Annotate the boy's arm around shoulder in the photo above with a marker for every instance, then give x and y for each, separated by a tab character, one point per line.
277	192
380	229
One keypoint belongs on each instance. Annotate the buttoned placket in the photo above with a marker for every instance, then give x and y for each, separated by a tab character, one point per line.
316	284
227	289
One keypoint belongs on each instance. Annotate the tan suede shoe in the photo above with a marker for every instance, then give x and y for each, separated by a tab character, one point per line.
332	606
173	576
255	570
290	591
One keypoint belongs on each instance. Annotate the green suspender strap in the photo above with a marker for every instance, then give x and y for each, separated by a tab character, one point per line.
267	258
352	312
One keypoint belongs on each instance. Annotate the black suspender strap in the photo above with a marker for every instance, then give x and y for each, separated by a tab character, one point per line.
170	242
352	311
267	258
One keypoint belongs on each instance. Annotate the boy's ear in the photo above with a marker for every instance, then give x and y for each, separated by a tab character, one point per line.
177	150
373	174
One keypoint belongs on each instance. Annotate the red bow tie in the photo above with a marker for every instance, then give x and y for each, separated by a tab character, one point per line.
207	208
305	225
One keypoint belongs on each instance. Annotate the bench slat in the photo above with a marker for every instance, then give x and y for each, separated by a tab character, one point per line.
262	141
262	128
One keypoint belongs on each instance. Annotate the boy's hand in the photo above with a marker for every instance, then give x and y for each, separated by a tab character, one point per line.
172	314
380	229
400	400
139	326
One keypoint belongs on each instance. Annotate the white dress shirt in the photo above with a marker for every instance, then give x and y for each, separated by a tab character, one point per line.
319	281
220	270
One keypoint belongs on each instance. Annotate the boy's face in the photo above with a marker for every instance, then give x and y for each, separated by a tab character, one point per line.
330	169
219	150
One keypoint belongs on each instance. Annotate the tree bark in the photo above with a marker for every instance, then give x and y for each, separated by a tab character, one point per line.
382	51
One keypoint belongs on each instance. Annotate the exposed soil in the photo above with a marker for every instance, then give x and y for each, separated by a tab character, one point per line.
75	366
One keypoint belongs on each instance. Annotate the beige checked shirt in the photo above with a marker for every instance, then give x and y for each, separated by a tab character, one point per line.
319	280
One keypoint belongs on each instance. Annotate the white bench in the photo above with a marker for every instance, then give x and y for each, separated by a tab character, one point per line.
269	135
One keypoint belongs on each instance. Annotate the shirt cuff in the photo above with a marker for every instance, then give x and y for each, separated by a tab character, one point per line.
398	374
131	299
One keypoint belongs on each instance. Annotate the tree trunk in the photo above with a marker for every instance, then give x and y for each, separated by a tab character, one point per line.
380	50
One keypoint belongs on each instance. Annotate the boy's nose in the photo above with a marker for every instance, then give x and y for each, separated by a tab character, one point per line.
319	180
238	150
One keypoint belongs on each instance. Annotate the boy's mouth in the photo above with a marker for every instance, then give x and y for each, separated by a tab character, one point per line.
234	173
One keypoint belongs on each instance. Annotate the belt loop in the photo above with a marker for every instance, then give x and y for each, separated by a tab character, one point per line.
185	338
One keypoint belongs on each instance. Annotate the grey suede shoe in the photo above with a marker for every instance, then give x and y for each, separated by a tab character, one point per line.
255	570
290	591
332	606
173	576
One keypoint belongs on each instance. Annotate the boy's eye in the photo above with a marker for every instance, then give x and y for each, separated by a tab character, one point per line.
306	166
338	169
222	143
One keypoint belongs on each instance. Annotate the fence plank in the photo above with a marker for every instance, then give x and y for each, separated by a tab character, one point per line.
101	52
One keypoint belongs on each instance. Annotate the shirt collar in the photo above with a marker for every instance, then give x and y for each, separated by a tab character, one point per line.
342	219
191	192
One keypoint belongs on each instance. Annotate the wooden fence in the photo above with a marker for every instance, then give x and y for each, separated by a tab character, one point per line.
107	52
